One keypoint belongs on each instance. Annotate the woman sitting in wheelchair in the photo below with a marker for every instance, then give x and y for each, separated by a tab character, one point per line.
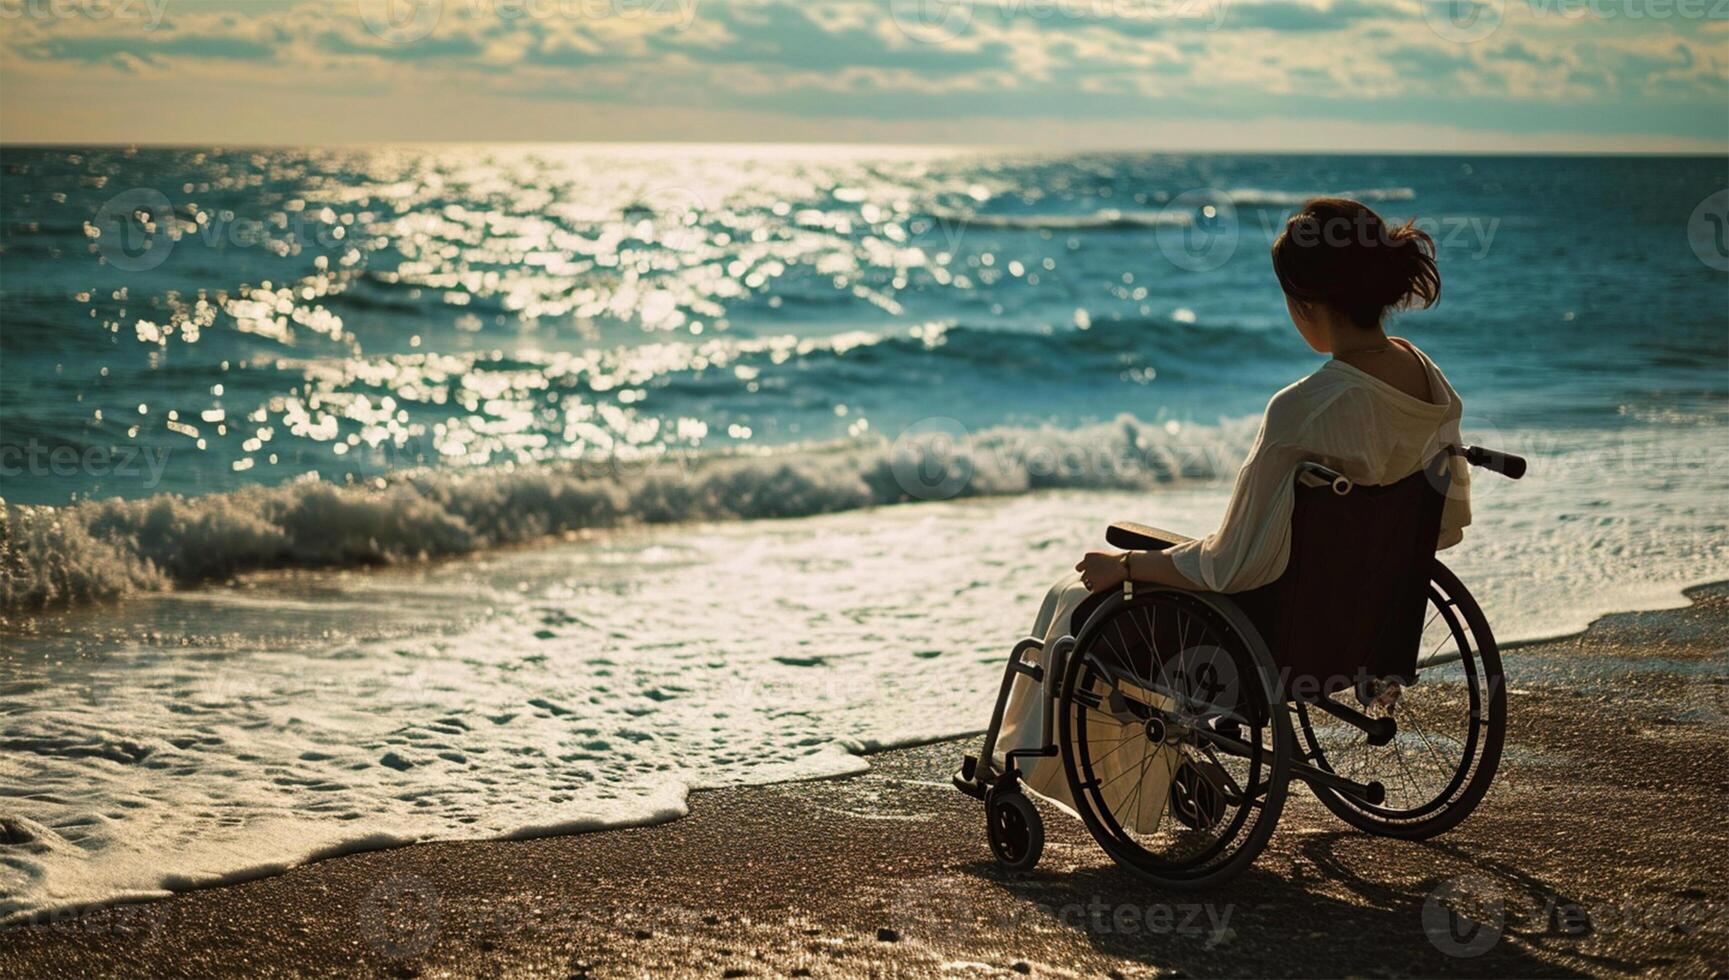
1116	733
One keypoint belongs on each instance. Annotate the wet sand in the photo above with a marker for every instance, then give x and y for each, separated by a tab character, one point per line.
1602	850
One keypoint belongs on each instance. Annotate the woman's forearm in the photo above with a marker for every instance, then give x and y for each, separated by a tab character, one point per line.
1157	568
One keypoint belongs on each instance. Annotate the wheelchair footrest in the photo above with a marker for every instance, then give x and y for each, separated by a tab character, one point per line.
966	779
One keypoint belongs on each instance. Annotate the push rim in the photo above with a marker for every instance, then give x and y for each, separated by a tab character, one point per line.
1450	727
1174	646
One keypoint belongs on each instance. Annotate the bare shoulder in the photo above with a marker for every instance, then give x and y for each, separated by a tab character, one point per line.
1406	368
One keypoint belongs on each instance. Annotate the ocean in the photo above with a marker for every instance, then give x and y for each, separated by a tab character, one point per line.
736	461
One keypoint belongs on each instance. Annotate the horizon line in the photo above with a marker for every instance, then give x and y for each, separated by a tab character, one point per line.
1036	150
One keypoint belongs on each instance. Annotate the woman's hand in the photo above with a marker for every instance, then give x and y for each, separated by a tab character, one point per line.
1101	570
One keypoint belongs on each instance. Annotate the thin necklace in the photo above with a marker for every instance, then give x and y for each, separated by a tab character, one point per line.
1365	350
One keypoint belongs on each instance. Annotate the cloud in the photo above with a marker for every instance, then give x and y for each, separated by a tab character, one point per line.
1302	18
1431	62
791	37
1519	51
456	47
109	48
826	65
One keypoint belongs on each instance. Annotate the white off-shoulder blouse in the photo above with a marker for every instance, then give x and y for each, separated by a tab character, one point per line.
1344	418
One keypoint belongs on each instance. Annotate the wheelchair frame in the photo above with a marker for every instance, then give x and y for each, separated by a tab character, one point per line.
1001	792
1379	730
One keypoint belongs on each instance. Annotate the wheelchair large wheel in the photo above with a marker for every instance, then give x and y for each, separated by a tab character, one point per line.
1451	722
1174	738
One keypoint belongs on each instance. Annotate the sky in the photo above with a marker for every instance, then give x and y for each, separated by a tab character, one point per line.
1348	75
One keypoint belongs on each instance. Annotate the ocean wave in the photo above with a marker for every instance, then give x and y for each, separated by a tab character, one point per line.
1105	219
1080	356
1176	216
1247	196
52	557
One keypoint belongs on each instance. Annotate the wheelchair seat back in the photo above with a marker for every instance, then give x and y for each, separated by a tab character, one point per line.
1350	605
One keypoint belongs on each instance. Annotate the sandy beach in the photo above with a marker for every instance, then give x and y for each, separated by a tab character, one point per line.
1601	851
546	488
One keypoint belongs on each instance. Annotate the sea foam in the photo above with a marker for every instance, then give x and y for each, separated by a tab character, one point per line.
207	736
102	549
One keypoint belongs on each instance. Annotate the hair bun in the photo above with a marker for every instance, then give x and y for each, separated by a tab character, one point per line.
1339	252
1412	278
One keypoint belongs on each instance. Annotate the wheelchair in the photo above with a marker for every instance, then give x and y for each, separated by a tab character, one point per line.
1366	671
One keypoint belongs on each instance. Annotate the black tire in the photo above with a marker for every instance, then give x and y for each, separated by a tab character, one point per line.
1452	723
1015	829
1179	671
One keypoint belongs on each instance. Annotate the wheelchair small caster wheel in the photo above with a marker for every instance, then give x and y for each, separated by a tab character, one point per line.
1016	831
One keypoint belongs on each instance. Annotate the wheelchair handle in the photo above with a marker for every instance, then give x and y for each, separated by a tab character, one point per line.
1506	464
1314	474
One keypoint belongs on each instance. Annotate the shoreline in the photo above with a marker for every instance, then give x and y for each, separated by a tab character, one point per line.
28	620
807	875
862	751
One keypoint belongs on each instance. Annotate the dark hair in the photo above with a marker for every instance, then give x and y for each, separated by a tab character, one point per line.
1339	252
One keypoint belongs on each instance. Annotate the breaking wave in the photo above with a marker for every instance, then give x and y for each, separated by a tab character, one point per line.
96	550
1107	219
1173	216
1241	196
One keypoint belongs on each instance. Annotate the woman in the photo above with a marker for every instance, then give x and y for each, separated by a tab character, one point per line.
1377	411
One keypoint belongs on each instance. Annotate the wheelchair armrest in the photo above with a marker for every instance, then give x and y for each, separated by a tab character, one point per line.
1142	537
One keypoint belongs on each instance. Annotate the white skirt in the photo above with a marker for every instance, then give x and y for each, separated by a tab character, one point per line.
1129	767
